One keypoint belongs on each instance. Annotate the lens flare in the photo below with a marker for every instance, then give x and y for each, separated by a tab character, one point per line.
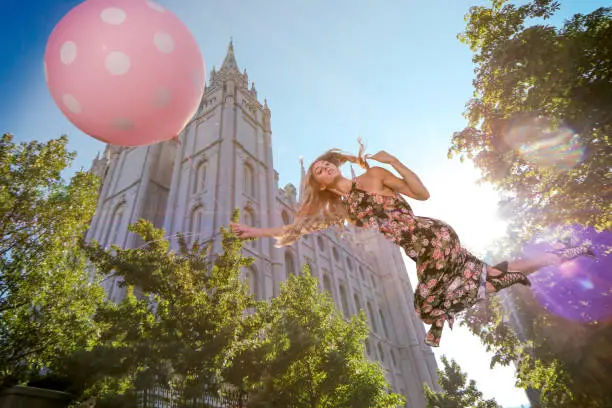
580	289
539	142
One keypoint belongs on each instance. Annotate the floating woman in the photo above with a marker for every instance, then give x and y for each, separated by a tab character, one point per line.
451	279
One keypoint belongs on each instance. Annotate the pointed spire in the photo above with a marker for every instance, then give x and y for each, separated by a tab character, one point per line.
230	60
266	114
302	177
213	74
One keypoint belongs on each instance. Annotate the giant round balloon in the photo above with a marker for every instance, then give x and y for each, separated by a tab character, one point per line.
126	72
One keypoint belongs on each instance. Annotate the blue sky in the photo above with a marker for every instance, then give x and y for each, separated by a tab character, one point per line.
392	72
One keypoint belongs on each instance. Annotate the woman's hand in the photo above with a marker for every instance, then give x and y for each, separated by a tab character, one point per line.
243	231
382	157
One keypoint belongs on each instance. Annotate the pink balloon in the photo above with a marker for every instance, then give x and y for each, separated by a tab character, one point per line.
126	72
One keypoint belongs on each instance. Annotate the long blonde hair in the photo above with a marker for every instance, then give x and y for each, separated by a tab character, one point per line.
320	209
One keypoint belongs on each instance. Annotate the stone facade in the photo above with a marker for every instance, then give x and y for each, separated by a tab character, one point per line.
223	160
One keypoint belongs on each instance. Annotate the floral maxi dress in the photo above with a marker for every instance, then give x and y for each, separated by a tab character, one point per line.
451	279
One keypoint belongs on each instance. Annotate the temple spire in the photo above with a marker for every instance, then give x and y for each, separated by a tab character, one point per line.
302	178
229	63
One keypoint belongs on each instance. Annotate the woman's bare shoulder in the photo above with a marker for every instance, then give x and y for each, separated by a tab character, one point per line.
375	172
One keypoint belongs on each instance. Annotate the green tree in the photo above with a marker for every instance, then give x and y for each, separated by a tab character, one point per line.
456	391
311	357
563	361
179	328
195	328
46	298
538	90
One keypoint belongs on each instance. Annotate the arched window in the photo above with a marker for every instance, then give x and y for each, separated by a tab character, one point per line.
367	344
195	221
344	301
349	264
381	353
249	180
383	322
250	277
248	215
327	283
112	235
321	243
199	178
289	264
393	358
371	316
357	303
285	217
336	255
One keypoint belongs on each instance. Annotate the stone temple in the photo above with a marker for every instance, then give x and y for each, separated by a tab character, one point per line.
222	161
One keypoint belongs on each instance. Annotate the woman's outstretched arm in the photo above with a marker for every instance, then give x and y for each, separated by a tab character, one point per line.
270	232
244	231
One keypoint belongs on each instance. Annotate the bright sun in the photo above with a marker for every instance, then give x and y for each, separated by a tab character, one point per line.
457	199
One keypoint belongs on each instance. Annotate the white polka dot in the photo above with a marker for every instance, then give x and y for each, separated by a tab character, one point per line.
123	123
68	52
162	97
71	103
117	63
46	72
113	15
163	42
156	6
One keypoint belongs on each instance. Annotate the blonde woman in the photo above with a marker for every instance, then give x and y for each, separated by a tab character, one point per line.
451	279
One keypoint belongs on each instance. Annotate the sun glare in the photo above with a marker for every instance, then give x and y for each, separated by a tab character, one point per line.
471	209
